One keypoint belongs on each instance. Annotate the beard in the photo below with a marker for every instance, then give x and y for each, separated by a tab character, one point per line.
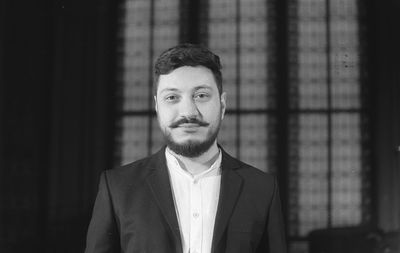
192	148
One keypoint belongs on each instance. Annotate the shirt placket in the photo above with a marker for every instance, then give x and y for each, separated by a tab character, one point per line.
196	228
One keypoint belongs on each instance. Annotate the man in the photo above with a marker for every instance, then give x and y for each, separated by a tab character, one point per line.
191	196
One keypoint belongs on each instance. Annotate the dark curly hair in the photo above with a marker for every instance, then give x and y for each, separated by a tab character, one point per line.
188	55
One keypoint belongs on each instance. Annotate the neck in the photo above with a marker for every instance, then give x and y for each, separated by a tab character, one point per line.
196	165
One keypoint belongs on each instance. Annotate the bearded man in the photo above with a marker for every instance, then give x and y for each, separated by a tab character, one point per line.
191	196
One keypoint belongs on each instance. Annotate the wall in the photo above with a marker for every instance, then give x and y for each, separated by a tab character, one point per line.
56	113
385	75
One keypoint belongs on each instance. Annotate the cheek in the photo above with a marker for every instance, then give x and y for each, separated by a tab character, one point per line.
211	111
165	115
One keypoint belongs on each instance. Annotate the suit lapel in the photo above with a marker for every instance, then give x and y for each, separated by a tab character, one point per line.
231	184
159	183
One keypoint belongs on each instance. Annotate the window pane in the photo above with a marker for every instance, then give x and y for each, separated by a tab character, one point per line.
254	140
222	40
133	138
227	136
346	169
240	38
308	55
136	55
308	181
166	25
253	54
345	54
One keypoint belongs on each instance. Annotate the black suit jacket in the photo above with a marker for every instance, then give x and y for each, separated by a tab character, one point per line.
134	210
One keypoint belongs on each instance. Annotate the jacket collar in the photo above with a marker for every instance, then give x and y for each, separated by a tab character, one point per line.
231	184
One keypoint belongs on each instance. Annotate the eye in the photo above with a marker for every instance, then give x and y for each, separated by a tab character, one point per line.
202	96
171	98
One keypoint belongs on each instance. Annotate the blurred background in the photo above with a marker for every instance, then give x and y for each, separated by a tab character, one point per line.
313	96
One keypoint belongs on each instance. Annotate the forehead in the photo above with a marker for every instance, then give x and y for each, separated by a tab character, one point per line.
187	78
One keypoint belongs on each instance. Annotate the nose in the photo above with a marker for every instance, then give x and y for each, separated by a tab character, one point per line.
188	108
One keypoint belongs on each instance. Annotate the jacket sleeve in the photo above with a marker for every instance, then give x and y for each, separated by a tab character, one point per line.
274	238
102	235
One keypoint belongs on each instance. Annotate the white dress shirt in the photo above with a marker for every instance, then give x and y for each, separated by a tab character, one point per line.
196	200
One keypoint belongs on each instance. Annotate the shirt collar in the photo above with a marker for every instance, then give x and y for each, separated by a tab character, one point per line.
173	165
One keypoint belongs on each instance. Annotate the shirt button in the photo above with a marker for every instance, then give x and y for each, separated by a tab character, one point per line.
195	215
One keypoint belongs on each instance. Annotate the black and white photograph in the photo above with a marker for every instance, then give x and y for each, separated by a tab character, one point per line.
200	126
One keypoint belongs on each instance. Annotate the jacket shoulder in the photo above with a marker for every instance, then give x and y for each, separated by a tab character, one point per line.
247	171
250	172
132	173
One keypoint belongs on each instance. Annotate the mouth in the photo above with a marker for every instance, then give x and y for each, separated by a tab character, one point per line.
189	125
189	128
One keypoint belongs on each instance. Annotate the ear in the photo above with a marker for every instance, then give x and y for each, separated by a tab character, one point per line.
223	104
155	103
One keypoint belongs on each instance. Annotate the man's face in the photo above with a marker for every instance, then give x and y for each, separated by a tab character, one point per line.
189	109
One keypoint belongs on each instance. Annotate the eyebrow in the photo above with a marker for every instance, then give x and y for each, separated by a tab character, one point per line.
195	88
203	87
169	89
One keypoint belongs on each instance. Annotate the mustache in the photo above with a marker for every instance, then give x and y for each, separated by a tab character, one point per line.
188	121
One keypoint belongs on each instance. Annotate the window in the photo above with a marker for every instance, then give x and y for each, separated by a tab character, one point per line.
147	29
297	109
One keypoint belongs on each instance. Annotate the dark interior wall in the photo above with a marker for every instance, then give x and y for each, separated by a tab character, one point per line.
385	74
81	117
56	115
26	85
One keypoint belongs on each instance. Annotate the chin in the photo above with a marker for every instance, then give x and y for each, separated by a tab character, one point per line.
190	147
183	139
186	139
